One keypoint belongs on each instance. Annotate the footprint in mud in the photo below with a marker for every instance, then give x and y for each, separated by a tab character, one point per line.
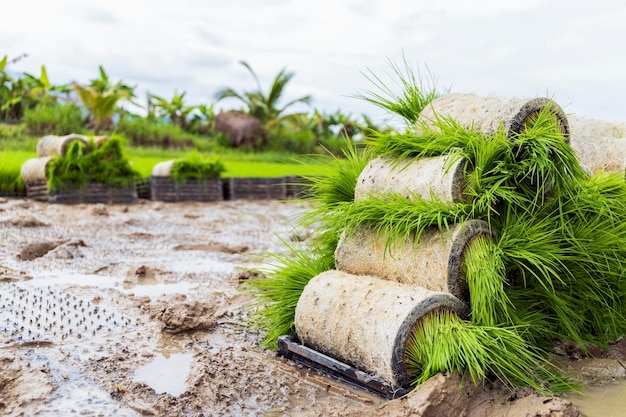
68	249
184	317
25	221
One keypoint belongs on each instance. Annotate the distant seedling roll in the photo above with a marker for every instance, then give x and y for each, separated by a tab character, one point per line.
52	145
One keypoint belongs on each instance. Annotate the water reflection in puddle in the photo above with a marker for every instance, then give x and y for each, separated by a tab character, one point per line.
166	374
602	401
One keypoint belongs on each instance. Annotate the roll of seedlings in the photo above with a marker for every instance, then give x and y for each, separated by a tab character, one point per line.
606	154
442	176
406	334
366	322
582	126
488	114
34	170
58	145
434	261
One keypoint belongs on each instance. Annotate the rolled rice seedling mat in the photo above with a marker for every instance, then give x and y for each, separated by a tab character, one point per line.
99	140
57	145
166	189
236	188
163	169
366	322
35	170
606	154
439	176
93	193
487	114
434	262
581	126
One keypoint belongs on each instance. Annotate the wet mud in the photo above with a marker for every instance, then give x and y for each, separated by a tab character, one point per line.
137	311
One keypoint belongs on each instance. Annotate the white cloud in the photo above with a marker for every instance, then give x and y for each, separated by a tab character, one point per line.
572	49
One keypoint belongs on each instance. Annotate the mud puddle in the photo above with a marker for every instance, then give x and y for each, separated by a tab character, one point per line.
165	281
166	374
602	401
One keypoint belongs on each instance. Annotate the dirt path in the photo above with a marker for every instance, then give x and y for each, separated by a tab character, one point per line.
135	310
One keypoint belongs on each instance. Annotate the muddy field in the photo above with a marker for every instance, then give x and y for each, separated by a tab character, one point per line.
137	310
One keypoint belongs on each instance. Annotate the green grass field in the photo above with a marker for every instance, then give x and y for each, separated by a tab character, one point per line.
237	164
143	160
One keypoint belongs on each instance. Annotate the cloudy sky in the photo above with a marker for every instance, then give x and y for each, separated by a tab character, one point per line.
574	51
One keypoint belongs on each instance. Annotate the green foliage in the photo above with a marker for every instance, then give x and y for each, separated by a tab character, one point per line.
443	342
144	132
196	166
10	168
555	271
53	119
414	95
11	180
105	164
102	98
273	310
264	107
485	274
12	132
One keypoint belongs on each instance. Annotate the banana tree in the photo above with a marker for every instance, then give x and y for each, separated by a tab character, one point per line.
102	99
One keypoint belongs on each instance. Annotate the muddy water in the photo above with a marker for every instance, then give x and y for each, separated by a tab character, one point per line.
149	300
603	401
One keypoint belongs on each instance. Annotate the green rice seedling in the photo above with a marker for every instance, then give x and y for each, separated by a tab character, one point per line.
444	342
105	164
415	93
401	219
10	180
277	294
196	166
10	168
484	272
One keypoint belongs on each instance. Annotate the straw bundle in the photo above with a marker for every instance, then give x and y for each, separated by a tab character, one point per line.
434	262
440	176
487	114
35	170
58	145
365	321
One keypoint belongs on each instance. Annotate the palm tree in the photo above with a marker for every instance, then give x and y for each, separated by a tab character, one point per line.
264	107
101	99
175	109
